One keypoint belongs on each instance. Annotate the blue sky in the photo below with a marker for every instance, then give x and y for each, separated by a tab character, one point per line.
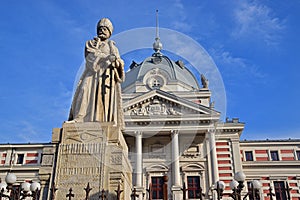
255	45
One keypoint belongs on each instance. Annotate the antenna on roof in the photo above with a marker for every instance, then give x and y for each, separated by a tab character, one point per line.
157	45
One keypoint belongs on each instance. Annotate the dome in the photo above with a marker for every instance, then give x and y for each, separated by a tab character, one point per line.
159	70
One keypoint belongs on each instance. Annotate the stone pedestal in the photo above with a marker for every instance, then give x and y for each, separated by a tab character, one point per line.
95	153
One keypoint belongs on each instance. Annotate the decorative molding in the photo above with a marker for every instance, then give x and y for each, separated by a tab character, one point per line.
192	152
116	159
47	160
156	107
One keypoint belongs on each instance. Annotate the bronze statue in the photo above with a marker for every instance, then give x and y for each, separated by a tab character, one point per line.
98	93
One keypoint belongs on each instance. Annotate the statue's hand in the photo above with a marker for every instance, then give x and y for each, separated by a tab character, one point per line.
97	53
119	63
112	58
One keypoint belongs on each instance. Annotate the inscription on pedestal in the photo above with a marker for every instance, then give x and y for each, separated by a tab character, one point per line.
88	155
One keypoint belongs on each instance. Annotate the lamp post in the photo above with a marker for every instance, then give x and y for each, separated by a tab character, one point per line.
288	189
253	192
240	178
237	185
271	194
16	192
235	194
256	186
219	188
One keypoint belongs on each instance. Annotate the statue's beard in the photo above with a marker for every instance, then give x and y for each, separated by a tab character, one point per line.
102	36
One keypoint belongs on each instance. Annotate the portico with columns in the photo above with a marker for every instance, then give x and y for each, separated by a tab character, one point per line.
171	128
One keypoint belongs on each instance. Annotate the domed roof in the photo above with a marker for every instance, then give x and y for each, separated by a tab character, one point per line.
169	70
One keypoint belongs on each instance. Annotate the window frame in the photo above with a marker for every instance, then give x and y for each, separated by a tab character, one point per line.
157	187
193	190
280	192
277	155
20	159
252	156
298	155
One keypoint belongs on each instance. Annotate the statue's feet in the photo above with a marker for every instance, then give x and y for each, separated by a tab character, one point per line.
73	121
69	122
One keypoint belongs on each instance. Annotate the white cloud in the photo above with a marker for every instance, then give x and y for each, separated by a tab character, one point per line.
236	65
180	20
257	21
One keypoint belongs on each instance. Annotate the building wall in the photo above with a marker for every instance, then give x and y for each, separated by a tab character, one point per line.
29	162
283	167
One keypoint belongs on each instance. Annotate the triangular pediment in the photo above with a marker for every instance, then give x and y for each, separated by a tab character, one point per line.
159	103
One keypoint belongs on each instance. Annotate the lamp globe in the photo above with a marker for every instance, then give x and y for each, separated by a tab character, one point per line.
233	184
35	186
240	176
25	186
10	178
256	184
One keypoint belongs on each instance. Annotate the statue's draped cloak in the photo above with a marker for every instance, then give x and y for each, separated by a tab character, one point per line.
98	93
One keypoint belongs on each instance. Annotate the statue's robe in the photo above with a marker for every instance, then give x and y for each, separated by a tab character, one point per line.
98	94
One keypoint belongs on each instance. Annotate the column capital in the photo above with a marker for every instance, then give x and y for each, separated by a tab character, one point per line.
211	130
174	132
138	133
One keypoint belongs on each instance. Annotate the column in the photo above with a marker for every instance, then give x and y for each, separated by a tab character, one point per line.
235	142
176	186
213	155
139	163
175	159
139	166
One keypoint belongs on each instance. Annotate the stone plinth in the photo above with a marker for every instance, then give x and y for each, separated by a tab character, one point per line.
95	153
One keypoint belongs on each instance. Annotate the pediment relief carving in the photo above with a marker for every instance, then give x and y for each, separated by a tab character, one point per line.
155	107
159	106
160	103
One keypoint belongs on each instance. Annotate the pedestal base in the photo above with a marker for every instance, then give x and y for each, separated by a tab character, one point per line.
94	153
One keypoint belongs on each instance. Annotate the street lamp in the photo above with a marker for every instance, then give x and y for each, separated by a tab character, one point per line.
219	187
256	185
10	178
237	185
240	178
235	194
253	190
22	191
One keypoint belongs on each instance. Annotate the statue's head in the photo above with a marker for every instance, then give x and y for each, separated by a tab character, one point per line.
104	28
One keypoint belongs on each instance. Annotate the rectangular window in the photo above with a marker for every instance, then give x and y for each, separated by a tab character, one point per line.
274	155
249	155
157	187
193	187
20	158
298	155
280	192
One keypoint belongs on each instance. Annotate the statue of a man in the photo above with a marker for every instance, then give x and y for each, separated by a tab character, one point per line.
204	81
98	94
